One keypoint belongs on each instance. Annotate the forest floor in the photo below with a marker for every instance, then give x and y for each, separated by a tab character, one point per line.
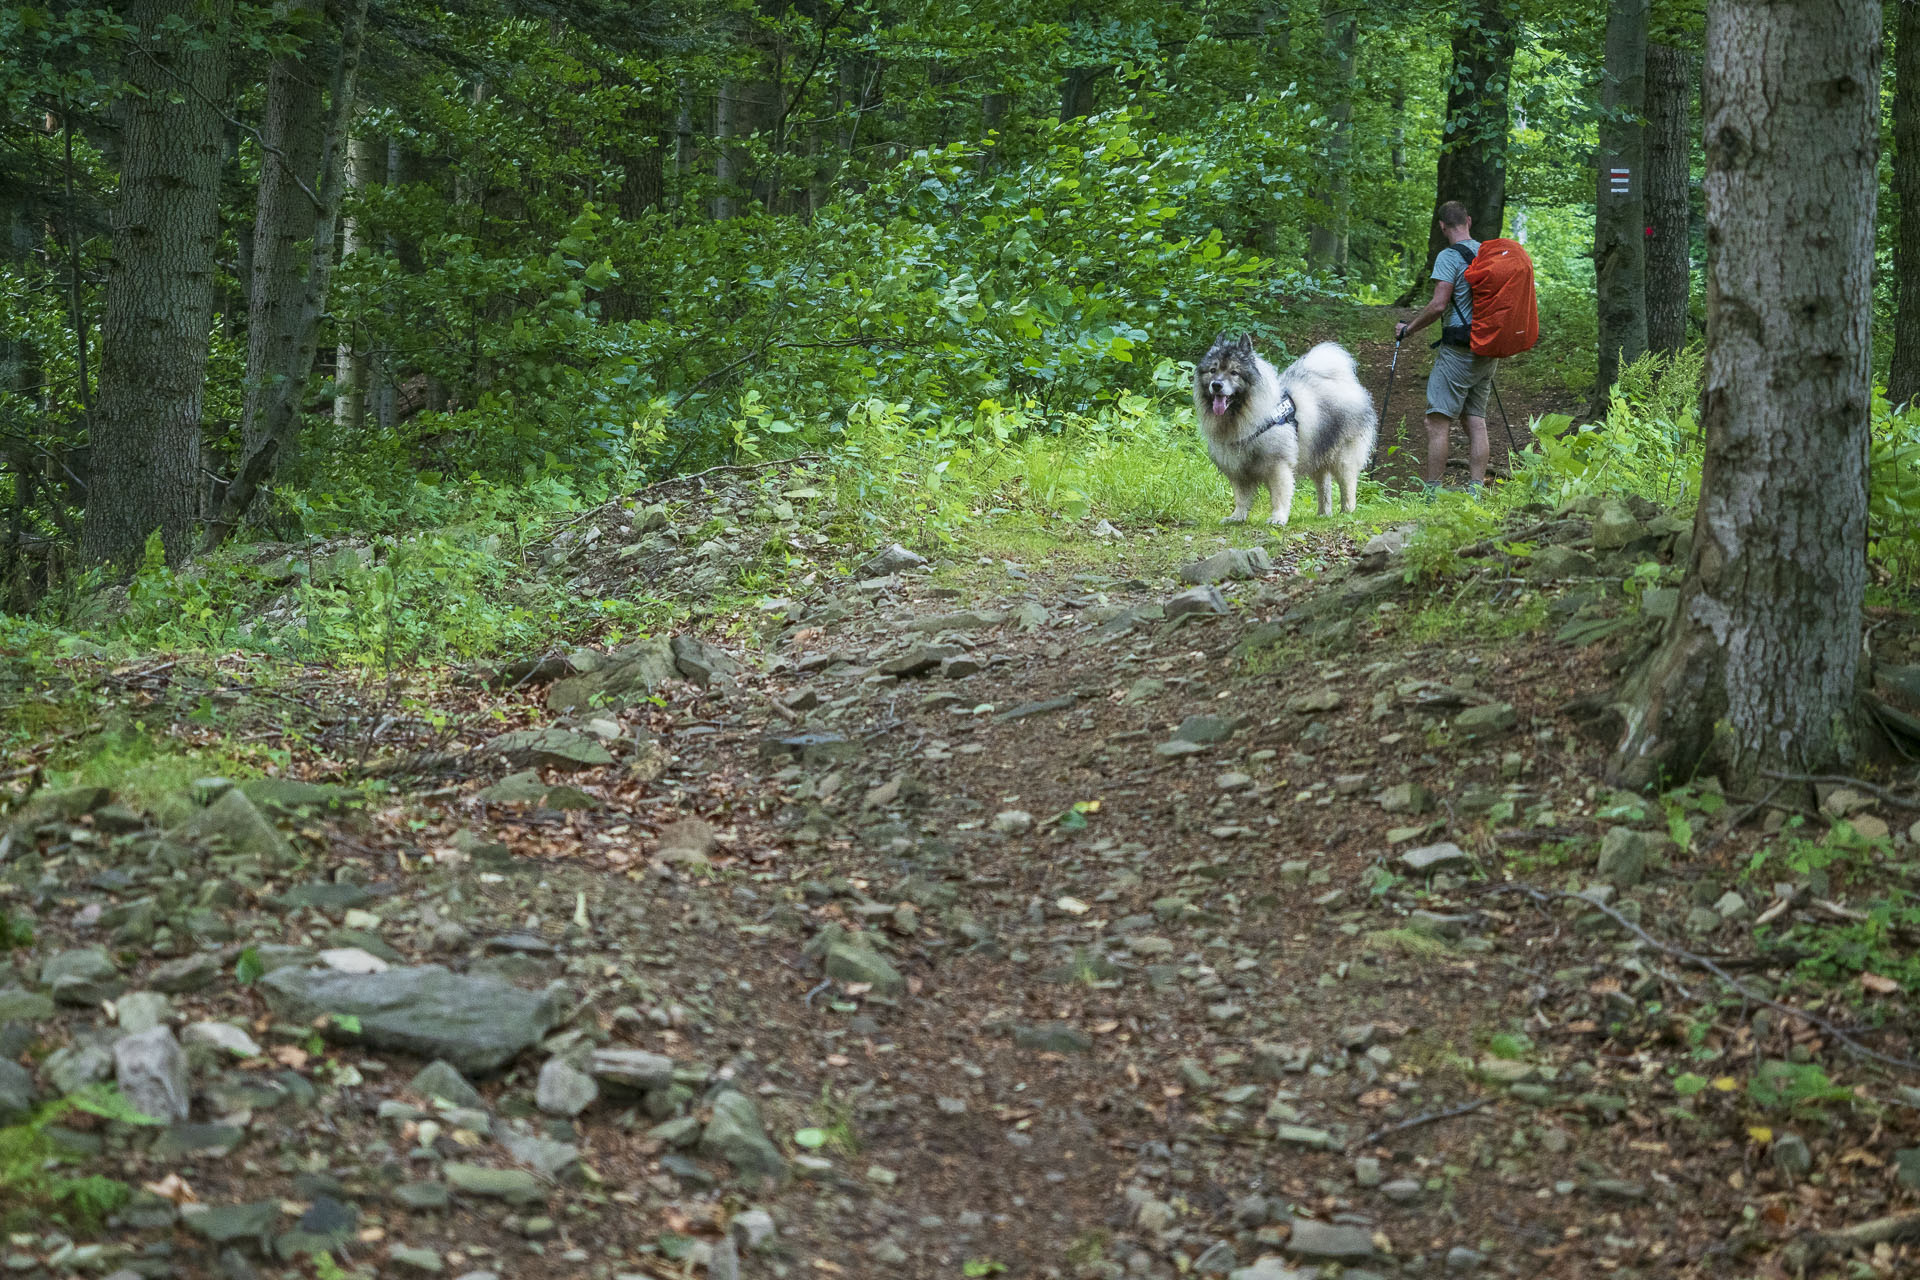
1033	911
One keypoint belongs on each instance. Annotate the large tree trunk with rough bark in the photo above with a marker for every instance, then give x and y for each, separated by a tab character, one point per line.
1758	669
1903	380
159	305
1620	210
726	107
295	223
1669	181
1473	146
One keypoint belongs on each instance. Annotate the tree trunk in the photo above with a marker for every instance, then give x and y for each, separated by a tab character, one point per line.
1669	166
643	163
1076	92
724	160
159	305
1620	208
1327	240
1473	146
1758	669
296	279
1903	379
350	365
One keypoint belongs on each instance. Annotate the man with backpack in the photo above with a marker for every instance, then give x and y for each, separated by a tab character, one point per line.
1485	294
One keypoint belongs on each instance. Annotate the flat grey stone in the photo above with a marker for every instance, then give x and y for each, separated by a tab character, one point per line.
140	1010
442	1080
17	1094
550	749
563	1089
1445	856
735	1134
476	1024
423	1197
1052	1037
234	824
1232	563
631	1068
83	976
222	1224
1196	600
515	1186
851	963
1485	720
1329	1242
188	974
151	1070
24	1006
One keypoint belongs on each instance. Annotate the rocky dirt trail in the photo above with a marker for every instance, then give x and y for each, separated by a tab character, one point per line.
1052	919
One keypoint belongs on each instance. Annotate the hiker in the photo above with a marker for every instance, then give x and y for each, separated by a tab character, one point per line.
1485	294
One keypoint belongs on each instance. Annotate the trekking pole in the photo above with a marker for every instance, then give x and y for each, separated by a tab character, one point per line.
1392	369
1513	446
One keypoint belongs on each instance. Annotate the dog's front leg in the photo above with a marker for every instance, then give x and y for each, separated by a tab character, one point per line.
1242	499
1324	505
1280	487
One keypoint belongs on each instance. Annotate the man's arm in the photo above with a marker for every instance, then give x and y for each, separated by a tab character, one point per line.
1442	294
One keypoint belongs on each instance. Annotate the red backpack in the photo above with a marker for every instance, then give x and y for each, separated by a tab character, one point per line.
1506	317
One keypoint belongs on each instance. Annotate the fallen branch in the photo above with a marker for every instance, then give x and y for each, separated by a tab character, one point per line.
1858	784
1898	1228
1419	1120
1707	965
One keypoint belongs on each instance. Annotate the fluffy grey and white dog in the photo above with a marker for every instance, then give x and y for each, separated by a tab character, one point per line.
1262	426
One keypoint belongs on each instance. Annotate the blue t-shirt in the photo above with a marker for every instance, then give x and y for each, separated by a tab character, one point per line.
1449	266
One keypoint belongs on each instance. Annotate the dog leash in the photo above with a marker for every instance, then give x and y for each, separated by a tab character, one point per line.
1286	415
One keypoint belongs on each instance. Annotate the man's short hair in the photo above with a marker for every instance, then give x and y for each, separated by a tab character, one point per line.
1453	214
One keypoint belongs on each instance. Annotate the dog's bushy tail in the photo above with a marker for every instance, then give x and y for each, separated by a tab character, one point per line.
1327	360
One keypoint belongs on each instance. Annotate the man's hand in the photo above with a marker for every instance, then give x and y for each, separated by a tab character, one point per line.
1400	331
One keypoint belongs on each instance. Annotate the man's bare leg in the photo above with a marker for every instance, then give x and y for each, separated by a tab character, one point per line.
1438	426
1476	450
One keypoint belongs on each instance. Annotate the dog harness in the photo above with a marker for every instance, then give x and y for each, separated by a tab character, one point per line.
1283	418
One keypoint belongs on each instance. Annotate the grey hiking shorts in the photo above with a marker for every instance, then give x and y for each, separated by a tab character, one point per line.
1460	382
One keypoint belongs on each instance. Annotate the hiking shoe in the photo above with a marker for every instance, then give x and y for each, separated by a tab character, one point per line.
1430	489
1476	489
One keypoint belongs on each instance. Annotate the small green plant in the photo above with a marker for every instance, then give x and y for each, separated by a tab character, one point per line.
1794	1086
982	1267
34	1191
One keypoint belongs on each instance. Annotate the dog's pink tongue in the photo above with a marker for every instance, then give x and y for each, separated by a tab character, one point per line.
1219	405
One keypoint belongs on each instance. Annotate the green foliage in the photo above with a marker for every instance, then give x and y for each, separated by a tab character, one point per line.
1794	1086
1648	444
33	1189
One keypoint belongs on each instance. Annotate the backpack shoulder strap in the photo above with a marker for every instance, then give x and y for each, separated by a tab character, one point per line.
1466	258
1466	254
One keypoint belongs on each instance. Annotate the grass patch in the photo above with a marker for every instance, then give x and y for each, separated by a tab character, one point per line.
1461	620
35	1190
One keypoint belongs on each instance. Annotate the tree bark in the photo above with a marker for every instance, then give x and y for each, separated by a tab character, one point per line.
349	363
725	107
159	306
1903	379
1620	210
280	361
1327	240
1076	92
1759	667
1669	167
1473	144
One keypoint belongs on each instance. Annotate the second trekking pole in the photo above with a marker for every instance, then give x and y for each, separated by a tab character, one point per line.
1386	396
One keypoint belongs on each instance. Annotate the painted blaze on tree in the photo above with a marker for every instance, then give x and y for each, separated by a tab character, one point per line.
1759	668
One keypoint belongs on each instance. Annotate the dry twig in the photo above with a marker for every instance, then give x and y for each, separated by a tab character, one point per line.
1708	965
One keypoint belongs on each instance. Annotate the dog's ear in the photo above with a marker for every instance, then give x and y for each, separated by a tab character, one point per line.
1245	344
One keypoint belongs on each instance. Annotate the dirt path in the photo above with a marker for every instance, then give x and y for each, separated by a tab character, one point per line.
1002	920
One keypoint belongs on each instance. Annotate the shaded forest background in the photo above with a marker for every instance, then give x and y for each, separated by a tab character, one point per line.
553	250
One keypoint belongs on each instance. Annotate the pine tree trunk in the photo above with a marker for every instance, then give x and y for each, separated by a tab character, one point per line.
1669	179
294	281
1620	207
350	365
1473	147
1903	379
1327	241
160	283
1076	92
1759	667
